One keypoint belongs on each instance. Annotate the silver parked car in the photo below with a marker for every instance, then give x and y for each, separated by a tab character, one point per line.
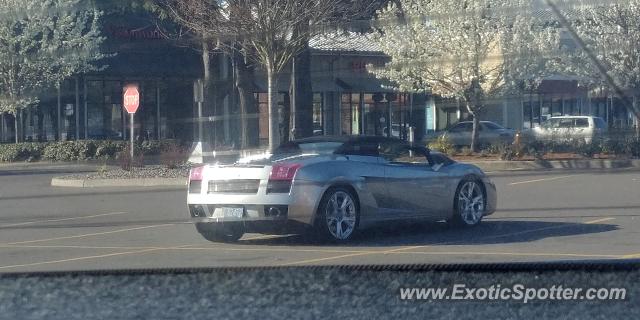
488	133
337	186
568	128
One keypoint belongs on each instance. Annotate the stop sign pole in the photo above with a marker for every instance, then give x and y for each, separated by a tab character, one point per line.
131	102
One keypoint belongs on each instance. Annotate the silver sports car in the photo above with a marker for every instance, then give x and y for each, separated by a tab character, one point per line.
336	186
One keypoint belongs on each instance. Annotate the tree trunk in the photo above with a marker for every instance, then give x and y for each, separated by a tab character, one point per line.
476	126
302	96
16	126
274	116
250	130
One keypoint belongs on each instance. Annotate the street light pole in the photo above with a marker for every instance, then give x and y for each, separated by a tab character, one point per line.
294	101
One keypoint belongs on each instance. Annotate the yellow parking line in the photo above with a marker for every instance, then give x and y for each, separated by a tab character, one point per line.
404	249
81	258
351	253
538	180
225	248
76	247
599	220
89	234
191	247
61	219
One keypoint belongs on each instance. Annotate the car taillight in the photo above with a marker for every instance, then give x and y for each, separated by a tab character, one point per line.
195	174
284	172
281	177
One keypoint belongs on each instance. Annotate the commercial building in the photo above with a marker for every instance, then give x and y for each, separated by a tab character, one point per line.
347	99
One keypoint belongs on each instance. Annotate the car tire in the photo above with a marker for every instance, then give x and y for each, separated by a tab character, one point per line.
215	232
333	222
469	203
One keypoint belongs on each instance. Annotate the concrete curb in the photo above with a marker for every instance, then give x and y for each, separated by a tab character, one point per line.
96	183
578	164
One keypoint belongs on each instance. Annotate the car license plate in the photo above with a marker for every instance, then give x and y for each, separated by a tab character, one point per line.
232	212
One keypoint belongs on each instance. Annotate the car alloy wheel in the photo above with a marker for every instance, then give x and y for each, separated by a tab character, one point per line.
338	217
470	203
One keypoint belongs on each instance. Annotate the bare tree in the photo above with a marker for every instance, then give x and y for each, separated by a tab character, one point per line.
265	31
274	36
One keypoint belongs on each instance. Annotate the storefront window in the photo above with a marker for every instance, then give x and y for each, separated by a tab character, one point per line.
545	112
346	117
399	115
571	107
176	109
147	113
370	119
104	110
556	107
318	123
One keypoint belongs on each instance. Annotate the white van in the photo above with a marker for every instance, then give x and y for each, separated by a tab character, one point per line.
569	128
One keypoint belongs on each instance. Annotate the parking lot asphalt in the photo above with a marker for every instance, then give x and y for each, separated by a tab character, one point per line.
542	216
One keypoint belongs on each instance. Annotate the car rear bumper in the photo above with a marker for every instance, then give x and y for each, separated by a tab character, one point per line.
299	205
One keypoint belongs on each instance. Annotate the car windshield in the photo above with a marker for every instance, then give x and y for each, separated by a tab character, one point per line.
179	134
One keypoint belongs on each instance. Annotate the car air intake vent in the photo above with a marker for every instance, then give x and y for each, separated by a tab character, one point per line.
279	186
249	186
195	186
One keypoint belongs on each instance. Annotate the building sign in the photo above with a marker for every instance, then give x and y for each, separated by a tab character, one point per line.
150	32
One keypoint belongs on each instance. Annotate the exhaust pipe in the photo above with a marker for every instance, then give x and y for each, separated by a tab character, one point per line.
274	211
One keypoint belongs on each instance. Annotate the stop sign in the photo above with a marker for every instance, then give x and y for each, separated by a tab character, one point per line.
131	98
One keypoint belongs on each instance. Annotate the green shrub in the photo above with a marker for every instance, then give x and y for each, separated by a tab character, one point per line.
126	162
27	151
507	152
611	146
634	147
466	151
81	150
174	156
109	148
70	150
156	147
444	145
588	149
491	149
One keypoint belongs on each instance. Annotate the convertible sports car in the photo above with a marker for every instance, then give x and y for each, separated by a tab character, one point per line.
337	186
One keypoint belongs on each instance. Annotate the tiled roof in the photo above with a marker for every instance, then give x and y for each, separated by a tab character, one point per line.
348	41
